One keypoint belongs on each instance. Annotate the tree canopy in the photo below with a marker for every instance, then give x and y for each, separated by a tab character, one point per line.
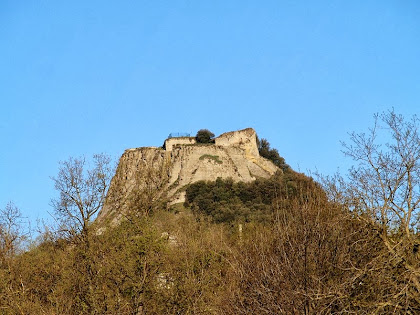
204	136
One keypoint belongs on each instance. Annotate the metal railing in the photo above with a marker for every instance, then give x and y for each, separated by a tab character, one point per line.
179	135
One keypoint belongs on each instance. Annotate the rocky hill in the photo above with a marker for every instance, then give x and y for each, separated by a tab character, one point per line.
166	171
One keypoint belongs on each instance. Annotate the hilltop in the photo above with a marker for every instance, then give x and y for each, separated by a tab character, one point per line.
181	161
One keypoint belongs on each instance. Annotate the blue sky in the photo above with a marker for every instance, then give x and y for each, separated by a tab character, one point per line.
83	77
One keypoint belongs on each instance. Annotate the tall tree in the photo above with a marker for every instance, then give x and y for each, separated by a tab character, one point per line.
82	190
386	180
384	189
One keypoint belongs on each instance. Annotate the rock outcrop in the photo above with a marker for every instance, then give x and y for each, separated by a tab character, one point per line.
181	162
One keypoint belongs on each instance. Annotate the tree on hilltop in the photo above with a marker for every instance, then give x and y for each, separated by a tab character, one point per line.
204	136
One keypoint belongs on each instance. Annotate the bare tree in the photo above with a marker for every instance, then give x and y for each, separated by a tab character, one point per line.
12	236
82	188
12	233
384	189
386	181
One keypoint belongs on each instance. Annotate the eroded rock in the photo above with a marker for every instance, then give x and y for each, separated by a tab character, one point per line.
164	172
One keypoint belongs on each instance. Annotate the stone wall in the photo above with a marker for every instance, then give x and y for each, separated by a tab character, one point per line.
172	142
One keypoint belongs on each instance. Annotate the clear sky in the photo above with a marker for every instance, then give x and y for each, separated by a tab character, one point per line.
83	77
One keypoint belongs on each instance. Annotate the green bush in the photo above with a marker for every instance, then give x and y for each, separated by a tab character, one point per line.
225	201
211	157
204	136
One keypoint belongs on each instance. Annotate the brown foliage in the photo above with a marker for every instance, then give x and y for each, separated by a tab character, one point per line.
352	248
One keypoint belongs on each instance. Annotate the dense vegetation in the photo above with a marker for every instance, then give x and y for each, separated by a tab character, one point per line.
226	202
281	245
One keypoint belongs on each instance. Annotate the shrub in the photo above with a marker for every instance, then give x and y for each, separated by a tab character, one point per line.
212	158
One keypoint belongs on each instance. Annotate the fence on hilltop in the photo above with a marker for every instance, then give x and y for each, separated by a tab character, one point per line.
179	134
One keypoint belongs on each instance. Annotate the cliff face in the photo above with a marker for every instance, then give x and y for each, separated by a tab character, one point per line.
234	154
